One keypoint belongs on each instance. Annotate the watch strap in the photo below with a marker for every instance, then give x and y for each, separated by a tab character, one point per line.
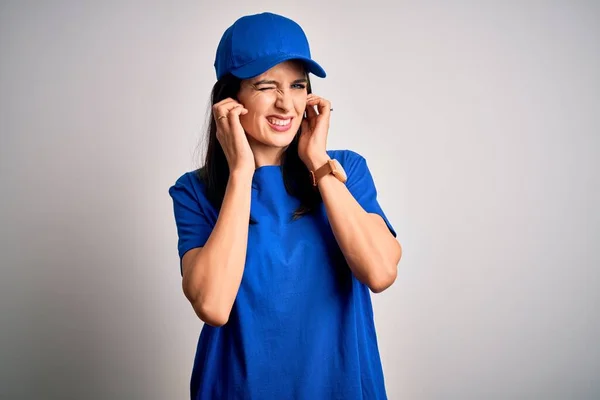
324	170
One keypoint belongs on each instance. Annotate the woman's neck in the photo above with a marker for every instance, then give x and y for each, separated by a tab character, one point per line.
266	155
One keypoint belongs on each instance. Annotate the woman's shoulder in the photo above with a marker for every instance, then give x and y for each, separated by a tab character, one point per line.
348	158
191	183
190	178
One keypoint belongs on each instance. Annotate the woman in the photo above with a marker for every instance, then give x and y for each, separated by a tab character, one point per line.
280	239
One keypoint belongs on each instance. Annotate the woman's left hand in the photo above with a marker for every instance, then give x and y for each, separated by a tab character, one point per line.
312	144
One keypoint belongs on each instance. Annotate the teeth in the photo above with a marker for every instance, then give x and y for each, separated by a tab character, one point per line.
280	122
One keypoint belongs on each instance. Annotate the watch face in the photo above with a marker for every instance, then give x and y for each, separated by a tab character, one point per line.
339	172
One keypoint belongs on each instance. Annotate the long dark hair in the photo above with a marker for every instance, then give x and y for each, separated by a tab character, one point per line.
215	171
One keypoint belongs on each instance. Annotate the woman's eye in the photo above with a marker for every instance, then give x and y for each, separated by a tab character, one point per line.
300	86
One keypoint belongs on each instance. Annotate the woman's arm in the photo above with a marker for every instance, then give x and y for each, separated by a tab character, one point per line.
372	252
212	274
370	249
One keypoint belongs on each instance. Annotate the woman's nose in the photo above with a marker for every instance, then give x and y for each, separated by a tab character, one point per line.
284	100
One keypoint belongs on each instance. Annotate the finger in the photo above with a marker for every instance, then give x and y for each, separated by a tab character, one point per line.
223	111
323	106
235	112
224	102
310	111
222	122
223	105
318	101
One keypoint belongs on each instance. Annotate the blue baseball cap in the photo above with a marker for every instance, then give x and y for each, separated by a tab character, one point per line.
256	43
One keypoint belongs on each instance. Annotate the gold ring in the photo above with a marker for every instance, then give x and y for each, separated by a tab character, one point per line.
221	117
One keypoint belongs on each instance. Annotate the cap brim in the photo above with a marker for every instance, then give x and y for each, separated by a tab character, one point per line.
262	65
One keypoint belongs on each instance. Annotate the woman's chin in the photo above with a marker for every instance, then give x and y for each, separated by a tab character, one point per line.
281	141
278	139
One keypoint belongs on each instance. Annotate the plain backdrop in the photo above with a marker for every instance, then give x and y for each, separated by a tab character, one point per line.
480	122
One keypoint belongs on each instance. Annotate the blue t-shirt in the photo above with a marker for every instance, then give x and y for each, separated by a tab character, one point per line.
301	326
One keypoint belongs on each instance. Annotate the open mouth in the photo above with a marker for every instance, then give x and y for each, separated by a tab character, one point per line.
279	124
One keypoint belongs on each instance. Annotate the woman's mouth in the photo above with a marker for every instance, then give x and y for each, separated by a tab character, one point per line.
279	124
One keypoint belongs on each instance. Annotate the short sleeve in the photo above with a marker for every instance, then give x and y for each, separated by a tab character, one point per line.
193	225
361	185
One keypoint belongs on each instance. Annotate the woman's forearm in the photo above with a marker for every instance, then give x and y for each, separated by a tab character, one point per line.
213	279
371	251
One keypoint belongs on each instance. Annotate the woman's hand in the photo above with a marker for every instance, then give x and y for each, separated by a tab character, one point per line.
232	137
312	145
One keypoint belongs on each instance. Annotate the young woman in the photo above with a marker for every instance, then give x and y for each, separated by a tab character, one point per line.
281	240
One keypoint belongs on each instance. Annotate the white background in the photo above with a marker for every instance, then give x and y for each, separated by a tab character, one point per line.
481	125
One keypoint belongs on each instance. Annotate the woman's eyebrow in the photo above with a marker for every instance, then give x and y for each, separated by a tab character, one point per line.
271	82
265	82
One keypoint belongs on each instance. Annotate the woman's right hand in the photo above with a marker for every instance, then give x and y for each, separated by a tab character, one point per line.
232	137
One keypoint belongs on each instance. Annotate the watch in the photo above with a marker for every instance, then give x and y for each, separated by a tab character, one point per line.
331	167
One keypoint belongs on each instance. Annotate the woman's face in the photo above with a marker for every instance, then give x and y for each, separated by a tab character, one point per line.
276	101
